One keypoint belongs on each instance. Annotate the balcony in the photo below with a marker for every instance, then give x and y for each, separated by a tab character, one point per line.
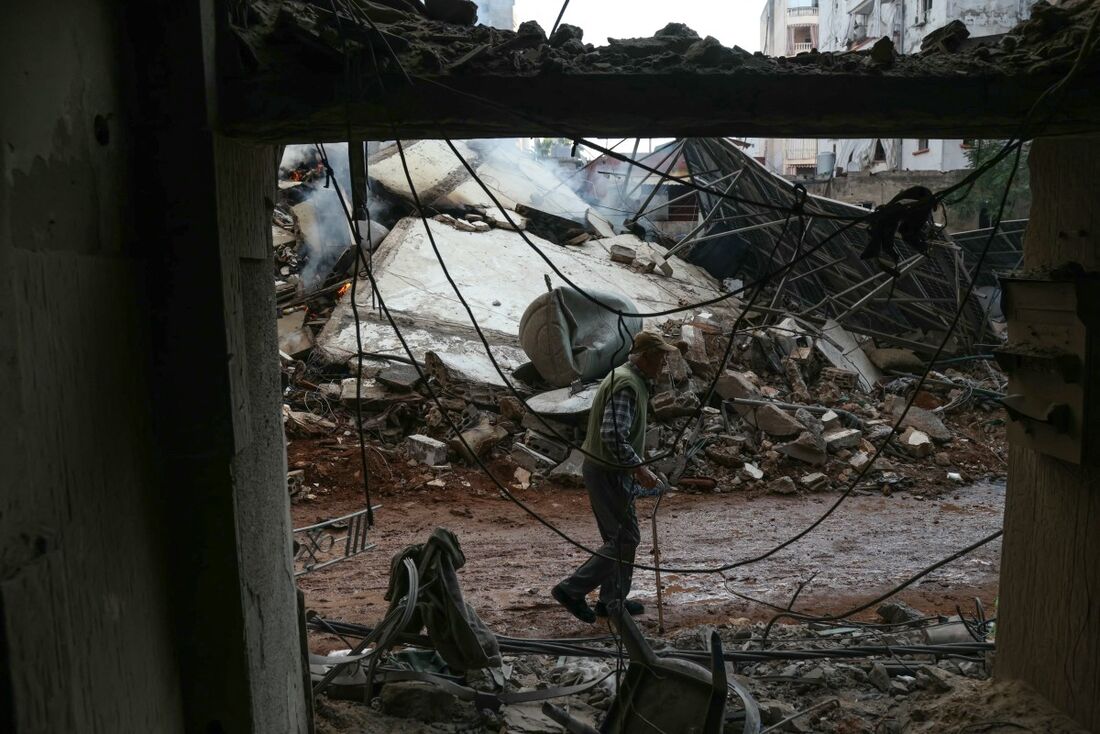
802	12
797	48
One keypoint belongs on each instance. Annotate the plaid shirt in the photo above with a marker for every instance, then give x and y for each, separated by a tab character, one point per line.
618	416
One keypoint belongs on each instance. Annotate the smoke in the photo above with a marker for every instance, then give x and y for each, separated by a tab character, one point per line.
322	221
521	177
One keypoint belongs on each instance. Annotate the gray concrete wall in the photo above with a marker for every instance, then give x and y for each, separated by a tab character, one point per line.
879	188
145	571
83	588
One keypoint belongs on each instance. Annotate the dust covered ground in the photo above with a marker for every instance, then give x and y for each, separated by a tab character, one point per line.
870	543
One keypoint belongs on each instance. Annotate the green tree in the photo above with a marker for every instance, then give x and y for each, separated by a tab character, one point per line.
990	187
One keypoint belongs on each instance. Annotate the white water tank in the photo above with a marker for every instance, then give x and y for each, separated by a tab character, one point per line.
826	162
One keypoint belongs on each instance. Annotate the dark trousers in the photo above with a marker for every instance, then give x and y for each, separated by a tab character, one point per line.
613	506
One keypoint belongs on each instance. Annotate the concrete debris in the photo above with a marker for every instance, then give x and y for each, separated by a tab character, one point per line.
295	338
775	422
623	254
897	612
531	460
569	471
815	482
549	447
426	450
783	485
305	423
915	443
806	448
923	420
670	405
752	471
842	438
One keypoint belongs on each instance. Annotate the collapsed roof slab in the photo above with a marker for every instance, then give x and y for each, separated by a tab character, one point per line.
499	275
434	80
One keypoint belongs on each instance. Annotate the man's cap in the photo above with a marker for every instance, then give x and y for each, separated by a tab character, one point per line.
648	341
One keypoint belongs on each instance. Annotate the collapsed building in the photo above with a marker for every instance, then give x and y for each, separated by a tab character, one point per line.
143	174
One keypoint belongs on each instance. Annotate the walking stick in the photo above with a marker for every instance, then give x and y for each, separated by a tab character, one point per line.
657	564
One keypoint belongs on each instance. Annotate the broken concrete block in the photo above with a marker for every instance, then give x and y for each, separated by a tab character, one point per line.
426	450
859	460
915	443
295	480
371	395
569	471
530	459
665	268
623	254
830	421
695	348
892	358
805	448
507	219
897	612
733	384
481	439
465	226
842	438
815	482
752	471
919	418
670	405
783	485
775	422
402	377
511	409
549	447
295	338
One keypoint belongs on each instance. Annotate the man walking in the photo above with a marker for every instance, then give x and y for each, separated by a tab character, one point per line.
615	439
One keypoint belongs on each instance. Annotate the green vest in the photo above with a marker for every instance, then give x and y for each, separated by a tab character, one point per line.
622	376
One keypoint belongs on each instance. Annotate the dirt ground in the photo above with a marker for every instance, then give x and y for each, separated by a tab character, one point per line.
871	543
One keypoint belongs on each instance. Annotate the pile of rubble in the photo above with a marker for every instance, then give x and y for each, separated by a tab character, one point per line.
797	407
442	39
907	691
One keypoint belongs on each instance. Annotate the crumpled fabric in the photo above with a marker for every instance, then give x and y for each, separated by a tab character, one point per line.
456	632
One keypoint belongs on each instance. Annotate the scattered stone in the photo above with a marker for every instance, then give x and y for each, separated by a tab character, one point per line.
465	226
752	471
815	482
670	405
933	679
783	485
898	687
919	418
522	477
370	394
553	449
652	438
402	377
805	448
734	384
943	459
303	423
882	53
507	219
879	678
774	421
897	612
623	254
426	450
295	480
569	471
843	379
844	438
830	421
531	460
915	443
892	358
511	409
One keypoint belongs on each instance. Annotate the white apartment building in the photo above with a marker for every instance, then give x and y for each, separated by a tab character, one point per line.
856	24
788	28
497	13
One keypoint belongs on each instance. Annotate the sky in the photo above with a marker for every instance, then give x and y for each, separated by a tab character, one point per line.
733	22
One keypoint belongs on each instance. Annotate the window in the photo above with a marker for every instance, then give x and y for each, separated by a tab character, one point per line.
880	153
925	13
922	145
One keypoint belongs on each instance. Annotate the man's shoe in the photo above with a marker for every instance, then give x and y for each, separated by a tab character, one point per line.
633	608
577	607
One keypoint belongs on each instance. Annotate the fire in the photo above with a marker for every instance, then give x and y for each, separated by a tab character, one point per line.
343	289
